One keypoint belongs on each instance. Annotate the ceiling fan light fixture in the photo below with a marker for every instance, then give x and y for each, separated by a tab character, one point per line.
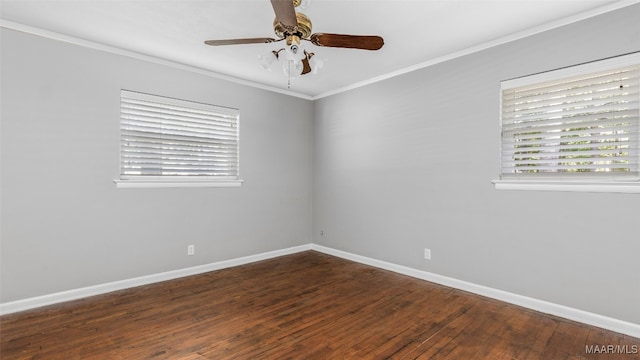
267	59
315	63
292	27
292	69
295	52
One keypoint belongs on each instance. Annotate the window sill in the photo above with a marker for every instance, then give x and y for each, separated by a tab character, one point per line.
123	184
569	186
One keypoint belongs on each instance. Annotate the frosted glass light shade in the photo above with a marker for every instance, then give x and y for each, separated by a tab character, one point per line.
316	64
266	60
292	68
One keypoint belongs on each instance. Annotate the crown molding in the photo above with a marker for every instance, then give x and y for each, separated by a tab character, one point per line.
470	50
486	45
139	56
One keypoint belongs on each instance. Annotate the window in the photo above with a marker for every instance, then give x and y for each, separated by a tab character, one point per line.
575	129
166	142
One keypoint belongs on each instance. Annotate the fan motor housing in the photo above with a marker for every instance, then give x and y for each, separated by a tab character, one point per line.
303	30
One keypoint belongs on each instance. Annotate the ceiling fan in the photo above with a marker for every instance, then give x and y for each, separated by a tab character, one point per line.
292	27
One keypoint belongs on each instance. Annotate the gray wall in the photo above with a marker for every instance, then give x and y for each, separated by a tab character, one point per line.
64	223
387	178
406	164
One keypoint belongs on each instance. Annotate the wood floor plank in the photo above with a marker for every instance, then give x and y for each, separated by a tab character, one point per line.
303	306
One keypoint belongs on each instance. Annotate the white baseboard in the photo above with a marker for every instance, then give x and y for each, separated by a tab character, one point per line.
566	312
50	299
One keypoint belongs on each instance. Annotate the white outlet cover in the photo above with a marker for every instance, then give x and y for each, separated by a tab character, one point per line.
427	254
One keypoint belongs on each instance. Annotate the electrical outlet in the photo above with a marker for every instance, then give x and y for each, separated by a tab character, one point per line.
427	254
191	250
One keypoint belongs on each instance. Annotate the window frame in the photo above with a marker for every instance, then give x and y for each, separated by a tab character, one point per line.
559	182
176	181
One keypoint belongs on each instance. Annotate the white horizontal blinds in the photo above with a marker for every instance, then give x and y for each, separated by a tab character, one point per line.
163	137
584	126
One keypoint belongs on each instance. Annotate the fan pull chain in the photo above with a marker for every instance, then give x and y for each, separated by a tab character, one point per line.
289	77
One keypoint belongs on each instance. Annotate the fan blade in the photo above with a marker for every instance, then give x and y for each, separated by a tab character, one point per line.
240	41
306	68
285	13
364	42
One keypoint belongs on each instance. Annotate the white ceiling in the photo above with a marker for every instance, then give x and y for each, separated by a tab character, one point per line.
415	32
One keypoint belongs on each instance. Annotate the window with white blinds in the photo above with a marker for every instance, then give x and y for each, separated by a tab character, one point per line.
173	142
580	123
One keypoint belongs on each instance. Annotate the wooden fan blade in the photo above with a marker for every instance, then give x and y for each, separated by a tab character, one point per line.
364	42
285	13
240	41
306	68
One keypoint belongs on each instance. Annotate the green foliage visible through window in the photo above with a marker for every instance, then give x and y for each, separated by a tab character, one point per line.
576	126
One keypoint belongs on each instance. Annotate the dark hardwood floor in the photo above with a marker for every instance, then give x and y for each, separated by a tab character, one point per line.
302	306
